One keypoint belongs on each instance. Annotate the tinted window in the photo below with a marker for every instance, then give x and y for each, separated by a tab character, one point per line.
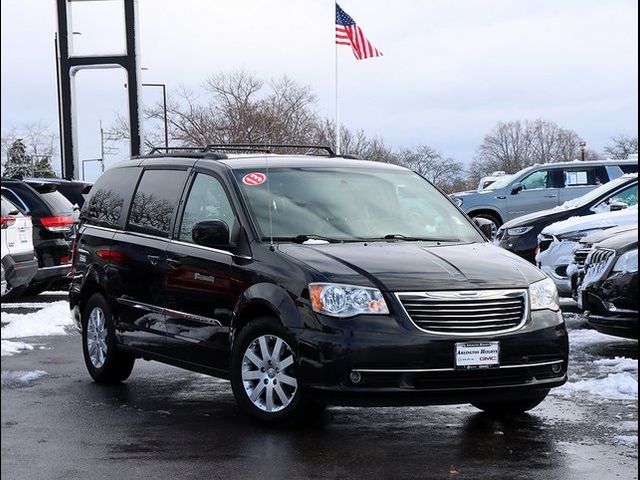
58	203
155	201
73	193
586	176
207	201
629	196
629	168
109	196
7	207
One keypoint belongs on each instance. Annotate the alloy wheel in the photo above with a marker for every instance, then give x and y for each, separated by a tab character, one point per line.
97	337
267	373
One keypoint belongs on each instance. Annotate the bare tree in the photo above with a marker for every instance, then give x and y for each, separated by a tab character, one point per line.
511	146
621	146
444	172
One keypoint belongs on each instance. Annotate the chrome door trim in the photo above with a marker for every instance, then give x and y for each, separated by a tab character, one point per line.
168	311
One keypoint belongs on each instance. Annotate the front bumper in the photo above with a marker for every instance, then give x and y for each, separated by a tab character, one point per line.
404	366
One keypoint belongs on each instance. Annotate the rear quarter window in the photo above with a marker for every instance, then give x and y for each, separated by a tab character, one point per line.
110	197
58	203
21	193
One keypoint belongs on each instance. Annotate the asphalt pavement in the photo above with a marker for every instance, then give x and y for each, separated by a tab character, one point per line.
167	423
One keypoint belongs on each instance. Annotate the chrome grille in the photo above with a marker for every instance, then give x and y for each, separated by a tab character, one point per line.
466	313
580	254
597	264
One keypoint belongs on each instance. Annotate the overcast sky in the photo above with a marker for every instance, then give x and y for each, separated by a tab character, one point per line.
451	70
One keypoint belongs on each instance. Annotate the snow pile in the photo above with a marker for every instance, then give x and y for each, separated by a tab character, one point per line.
618	364
628	440
52	320
21	379
584	337
615	386
10	348
560	252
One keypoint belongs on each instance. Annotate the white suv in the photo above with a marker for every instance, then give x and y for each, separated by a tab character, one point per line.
19	263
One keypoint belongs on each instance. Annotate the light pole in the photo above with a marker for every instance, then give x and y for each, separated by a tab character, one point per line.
164	103
583	146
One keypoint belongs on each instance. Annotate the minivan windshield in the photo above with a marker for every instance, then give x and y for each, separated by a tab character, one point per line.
350	204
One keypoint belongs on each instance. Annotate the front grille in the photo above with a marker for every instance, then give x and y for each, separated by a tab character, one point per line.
580	254
466	313
597	264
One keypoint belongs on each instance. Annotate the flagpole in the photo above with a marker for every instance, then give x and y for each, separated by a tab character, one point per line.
338	145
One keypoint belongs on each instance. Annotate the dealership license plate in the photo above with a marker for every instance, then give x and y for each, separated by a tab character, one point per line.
471	355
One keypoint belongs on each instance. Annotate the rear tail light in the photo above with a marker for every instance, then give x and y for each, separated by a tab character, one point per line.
57	223
8	221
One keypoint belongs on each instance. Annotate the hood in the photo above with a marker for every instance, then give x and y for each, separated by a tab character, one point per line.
598	221
601	235
417	266
543	216
622	242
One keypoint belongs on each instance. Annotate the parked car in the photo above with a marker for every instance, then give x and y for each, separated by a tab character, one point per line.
609	290
295	278
540	187
521	235
575	270
19	263
52	217
557	242
73	190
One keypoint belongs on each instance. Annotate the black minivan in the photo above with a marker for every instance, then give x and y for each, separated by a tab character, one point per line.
305	280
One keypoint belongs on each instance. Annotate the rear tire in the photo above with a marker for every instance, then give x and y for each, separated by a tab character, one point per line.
14	294
515	406
264	375
105	362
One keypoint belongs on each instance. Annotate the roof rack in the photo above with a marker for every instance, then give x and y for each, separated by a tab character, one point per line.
240	147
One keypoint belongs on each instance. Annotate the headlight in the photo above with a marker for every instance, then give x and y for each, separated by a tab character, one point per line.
576	236
514	232
627	263
345	300
544	295
458	201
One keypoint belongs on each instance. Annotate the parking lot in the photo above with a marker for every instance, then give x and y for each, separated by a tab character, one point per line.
169	423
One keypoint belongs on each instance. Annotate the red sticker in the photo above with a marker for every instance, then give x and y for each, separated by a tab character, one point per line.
254	179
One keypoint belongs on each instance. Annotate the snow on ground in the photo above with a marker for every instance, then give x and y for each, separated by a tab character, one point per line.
52	320
20	378
615	386
578	339
628	440
9	347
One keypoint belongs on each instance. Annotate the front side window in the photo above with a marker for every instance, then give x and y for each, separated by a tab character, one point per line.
348	204
155	201
537	180
627	196
207	200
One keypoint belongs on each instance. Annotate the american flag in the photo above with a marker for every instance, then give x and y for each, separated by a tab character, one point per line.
348	33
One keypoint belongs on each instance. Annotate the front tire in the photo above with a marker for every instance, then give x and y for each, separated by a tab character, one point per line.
515	406
264	375
105	362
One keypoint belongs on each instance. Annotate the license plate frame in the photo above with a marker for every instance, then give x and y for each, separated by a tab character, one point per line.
477	355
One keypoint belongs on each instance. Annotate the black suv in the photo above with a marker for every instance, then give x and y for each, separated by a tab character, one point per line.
53	220
305	281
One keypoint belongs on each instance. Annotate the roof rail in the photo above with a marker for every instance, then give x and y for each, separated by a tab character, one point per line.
265	148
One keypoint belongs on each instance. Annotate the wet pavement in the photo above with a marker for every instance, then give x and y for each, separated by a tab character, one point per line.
169	423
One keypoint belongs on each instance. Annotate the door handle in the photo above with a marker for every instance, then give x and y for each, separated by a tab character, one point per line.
153	259
173	263
551	196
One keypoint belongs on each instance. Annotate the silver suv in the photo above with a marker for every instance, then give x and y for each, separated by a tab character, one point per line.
540	187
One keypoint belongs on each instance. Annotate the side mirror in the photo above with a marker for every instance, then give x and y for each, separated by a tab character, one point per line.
211	233
487	227
617	206
516	188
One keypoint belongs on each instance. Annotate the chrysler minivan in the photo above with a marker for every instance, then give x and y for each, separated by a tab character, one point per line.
305	281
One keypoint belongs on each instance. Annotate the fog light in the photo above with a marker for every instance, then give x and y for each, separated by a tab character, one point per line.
355	377
556	367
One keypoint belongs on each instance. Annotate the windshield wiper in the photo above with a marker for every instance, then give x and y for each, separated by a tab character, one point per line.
405	238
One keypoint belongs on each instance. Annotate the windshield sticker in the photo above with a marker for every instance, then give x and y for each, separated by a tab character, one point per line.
254	179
